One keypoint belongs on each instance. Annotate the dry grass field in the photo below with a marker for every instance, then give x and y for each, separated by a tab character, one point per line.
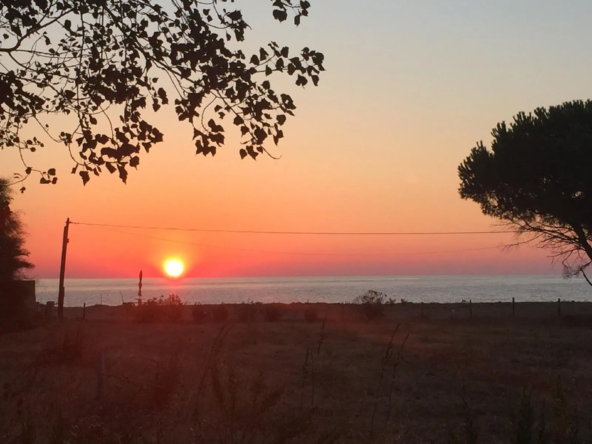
444	377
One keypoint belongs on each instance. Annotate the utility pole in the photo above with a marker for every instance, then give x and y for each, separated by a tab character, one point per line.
63	271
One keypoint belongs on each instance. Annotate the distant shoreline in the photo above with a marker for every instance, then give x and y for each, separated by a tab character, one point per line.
347	312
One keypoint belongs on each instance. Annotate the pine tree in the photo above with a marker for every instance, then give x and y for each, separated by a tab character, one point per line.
13	255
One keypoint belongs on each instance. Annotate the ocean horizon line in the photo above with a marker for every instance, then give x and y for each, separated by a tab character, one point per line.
320	276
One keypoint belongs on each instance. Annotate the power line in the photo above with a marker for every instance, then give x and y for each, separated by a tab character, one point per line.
296	252
305	233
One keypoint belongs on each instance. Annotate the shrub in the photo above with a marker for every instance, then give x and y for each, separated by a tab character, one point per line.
272	313
220	313
372	304
199	314
311	314
174	308
160	309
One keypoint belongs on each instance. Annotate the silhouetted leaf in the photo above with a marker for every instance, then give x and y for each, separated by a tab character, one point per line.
85	177
301	80
162	95
280	14
235	15
122	173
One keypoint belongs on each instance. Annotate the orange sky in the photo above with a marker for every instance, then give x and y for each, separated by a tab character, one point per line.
374	148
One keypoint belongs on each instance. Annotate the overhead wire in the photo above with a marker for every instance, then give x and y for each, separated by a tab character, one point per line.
306	233
288	252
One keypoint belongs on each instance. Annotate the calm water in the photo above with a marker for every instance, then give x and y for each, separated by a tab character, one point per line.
321	289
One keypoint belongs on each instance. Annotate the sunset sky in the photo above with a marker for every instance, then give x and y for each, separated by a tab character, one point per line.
410	87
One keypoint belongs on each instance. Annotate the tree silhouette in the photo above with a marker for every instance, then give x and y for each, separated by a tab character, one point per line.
101	65
12	253
537	178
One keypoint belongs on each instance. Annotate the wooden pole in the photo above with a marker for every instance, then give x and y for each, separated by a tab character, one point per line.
513	307
470	308
62	289
84	311
558	307
422	315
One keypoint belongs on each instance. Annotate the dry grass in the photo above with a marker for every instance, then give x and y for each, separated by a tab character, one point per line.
346	378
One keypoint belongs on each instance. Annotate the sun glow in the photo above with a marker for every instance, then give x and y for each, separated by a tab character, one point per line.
173	267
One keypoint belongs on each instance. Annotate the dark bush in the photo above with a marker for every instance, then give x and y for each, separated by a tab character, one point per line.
174	308
272	313
372	304
199	314
160	309
220	313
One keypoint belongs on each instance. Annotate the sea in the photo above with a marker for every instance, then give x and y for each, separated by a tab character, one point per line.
320	289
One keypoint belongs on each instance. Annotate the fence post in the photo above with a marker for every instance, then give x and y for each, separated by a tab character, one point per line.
513	307
84	311
558	307
470	308
422	314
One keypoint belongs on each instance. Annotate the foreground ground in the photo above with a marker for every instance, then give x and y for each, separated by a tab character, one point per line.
444	377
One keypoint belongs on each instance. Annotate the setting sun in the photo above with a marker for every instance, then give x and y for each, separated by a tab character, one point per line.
173	267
